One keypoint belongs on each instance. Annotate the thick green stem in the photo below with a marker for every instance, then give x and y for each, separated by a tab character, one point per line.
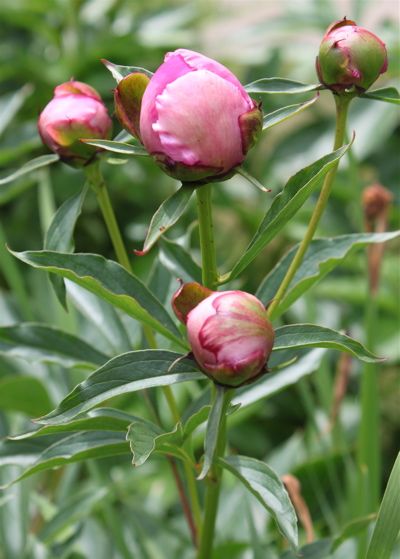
342	105
206	231
213	488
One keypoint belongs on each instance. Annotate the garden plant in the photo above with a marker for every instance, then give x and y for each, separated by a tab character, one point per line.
137	391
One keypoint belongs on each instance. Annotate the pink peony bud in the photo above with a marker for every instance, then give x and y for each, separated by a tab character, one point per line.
195	119
76	111
230	335
350	56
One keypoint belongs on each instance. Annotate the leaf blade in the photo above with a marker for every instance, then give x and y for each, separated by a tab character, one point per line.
117	147
284	113
280	85
33	165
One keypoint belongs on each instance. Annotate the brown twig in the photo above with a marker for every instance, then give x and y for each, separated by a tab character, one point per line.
293	487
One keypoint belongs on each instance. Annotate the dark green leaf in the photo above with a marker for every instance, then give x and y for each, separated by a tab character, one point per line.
179	262
387	525
321	257
387	94
166	216
124	374
284	113
110	281
267	487
213	428
117	147
33	165
310	335
352	529
24	394
285	205
118	72
316	550
37	342
280	85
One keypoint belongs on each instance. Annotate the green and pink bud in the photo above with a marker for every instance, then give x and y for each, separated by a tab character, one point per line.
229	332
194	116
350	57
75	112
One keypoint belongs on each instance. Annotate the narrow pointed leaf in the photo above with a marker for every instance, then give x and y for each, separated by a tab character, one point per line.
33	165
387	526
286	204
268	489
387	94
117	147
60	235
280	85
321	257
38	342
126	373
10	105
298	336
118	72
212	431
280	115
110	281
166	216
73	448
24	394
179	262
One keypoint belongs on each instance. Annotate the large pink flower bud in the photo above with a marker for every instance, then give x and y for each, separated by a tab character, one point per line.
350	56
196	119
229	333
76	111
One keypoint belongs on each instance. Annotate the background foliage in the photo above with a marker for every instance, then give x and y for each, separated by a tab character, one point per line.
105	508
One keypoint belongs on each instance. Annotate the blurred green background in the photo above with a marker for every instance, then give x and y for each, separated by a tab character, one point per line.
46	42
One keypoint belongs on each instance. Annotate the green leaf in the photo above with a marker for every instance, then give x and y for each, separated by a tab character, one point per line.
33	165
10	105
352	529
126	373
316	550
110	281
119	72
285	205
37	342
74	448
280	85
267	487
179	262
387	526
280	115
117	147
102	419
321	257
59	236
387	94
24	394
213	428
166	216
310	335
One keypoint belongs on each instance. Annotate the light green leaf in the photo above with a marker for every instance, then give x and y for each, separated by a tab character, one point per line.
74	448
118	72
352	529
269	490
179	262
320	549
286	204
33	165
213	428
280	115
110	281
126	373
24	394
280	85
117	147
321	257
387	94
310	335
387	526
10	105
38	342
166	216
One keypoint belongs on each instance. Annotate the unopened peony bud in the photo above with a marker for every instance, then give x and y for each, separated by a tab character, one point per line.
229	333
350	57
195	118
76	111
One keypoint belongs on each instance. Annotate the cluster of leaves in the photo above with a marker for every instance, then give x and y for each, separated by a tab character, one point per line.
45	356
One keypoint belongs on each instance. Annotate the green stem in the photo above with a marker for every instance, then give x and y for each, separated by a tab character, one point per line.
99	186
206	231
213	487
342	105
